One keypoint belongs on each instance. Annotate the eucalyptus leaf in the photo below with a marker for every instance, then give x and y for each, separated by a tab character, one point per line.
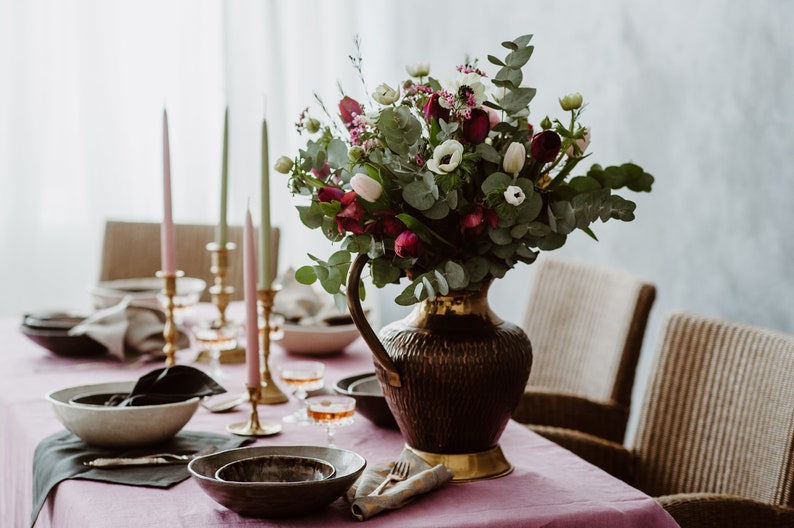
495	181
311	216
305	275
431	292
337	154
383	273
441	283
519	57
477	268
456	275
518	99
500	236
417	194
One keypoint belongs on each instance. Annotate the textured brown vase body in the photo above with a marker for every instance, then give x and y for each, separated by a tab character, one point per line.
463	371
452	373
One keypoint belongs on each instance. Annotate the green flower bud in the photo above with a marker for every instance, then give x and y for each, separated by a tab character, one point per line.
283	165
546	123
355	154
571	101
312	125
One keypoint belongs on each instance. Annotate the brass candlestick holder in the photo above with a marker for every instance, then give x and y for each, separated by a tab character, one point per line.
270	393
169	329
220	291
253	427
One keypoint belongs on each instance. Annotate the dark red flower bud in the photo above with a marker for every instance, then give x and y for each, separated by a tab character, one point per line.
392	226
329	194
348	109
476	128
434	110
322	173
476	220
408	245
545	146
351	216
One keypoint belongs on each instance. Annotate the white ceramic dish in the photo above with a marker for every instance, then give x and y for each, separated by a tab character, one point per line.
318	340
119	427
145	291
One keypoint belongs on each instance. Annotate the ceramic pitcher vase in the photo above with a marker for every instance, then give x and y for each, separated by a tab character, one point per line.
452	373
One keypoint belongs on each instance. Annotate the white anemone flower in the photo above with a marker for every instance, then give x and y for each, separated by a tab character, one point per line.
514	195
464	86
385	94
446	157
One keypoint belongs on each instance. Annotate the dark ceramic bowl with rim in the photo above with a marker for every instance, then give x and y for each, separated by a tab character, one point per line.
370	402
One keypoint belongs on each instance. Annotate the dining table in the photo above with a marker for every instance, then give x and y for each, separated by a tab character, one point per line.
549	486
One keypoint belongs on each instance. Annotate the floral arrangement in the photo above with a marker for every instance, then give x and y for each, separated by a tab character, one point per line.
449	184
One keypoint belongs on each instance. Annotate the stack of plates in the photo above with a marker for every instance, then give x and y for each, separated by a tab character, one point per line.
271	498
51	330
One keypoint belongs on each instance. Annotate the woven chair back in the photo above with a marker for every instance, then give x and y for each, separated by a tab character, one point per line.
719	412
586	325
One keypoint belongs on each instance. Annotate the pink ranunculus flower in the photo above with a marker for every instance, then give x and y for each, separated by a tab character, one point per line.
408	245
329	194
366	187
545	146
476	128
349	108
581	143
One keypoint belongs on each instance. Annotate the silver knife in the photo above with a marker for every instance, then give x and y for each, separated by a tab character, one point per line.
149	460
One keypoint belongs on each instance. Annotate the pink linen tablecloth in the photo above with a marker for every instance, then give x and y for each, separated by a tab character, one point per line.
549	486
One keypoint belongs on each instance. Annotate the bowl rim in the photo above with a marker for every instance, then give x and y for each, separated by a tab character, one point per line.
109	288
301	457
322	329
110	386
343	385
338	475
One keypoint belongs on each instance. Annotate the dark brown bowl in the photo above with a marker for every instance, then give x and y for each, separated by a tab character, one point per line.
277	499
60	343
276	468
370	403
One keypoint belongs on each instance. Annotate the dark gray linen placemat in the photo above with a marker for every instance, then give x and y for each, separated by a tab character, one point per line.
61	455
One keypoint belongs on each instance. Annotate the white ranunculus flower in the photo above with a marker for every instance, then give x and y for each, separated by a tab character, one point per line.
514	195
446	157
418	70
366	187
466	83
385	94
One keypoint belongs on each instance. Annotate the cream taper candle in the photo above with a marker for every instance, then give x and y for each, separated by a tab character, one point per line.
251	314
167	232
265	230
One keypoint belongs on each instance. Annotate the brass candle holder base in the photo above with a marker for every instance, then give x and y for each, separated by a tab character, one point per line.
253	427
220	292
169	329
271	394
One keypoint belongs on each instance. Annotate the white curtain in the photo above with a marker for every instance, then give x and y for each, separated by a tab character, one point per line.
697	93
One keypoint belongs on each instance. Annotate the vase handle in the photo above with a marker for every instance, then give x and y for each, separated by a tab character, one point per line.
357	313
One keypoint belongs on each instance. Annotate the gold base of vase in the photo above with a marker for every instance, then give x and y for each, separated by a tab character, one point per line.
469	467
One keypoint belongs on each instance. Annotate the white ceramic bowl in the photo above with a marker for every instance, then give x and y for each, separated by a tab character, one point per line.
119	427
317	340
145	291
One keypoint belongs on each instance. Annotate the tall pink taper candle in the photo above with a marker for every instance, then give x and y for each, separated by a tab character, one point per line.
167	233
251	315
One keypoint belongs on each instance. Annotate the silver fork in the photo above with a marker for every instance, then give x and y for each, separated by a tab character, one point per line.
399	472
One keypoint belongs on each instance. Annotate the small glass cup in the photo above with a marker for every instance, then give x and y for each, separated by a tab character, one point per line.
216	338
331	412
301	377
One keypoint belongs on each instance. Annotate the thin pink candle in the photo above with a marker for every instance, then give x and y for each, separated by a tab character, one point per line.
251	315
167	233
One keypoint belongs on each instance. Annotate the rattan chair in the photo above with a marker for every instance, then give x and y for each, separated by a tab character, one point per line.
715	439
132	250
586	325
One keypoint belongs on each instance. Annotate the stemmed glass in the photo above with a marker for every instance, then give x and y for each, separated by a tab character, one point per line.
216	338
301	377
331	412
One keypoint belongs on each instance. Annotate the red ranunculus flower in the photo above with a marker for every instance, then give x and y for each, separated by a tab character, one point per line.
329	194
408	245
386	223
545	146
351	216
476	128
348	109
476	220
434	110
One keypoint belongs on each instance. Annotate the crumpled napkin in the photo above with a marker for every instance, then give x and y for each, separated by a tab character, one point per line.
422	479
296	301
128	331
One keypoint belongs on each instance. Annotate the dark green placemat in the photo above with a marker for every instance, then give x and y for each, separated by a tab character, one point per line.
60	456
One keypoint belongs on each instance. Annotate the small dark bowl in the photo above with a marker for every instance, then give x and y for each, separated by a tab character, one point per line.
277	499
60	343
370	403
276	468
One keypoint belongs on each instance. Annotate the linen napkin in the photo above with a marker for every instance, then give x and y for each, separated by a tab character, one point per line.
128	331
61	455
421	479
